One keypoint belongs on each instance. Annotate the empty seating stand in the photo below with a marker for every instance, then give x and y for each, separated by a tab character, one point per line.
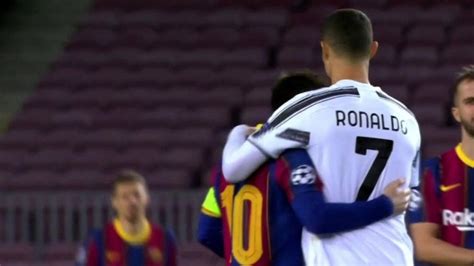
163	79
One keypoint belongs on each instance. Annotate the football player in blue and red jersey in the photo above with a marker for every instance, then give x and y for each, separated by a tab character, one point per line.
443	222
259	221
130	239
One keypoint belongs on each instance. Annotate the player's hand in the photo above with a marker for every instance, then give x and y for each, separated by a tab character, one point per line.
399	195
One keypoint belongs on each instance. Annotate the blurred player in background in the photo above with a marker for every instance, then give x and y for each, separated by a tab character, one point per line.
443	225
259	221
359	138
130	239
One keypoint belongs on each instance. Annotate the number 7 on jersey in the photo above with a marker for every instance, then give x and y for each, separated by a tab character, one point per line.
384	148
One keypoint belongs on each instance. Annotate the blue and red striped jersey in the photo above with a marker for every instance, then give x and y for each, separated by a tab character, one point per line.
259	224
111	246
448	191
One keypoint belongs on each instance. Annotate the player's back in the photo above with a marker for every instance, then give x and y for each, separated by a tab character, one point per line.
360	140
260	227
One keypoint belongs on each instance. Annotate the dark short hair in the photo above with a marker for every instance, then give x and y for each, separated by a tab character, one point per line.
295	83
127	176
349	33
467	73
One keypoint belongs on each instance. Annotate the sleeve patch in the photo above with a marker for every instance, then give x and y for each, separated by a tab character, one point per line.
303	175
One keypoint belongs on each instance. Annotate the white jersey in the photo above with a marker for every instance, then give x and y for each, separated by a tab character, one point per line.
360	139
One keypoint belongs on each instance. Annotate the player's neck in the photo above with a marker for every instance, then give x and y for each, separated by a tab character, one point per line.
467	145
341	69
133	227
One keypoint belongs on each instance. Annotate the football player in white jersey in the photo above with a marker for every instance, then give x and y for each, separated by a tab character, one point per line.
359	138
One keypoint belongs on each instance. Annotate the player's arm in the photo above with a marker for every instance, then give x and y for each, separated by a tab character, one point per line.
429	248
242	155
425	222
210	232
296	171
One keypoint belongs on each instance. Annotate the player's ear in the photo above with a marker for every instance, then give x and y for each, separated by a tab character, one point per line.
455	113
374	47
324	51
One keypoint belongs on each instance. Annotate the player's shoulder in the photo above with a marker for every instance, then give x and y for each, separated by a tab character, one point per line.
311	98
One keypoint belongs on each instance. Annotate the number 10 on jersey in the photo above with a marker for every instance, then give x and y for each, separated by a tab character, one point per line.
247	200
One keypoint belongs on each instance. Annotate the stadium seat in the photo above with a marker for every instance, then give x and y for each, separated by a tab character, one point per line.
399	92
175	19
313	16
415	74
136	158
84	179
258	96
388	34
65	77
27	139
253	115
275	17
203	77
206	58
364	4
105	138
386	55
142	38
143	18
429	113
259	37
445	74
387	75
397	15
216	117
49	159
251	58
169	178
29	120
439	15
60	251
438	140
81	59
12	160
102	18
11	253
302	36
234	76
426	35
297	57
229	18
462	34
178	38
432	93
34	179
93	39
459	54
218	38
419	55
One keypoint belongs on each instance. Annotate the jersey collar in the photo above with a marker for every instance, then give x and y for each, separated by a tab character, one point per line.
350	82
463	156
135	239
